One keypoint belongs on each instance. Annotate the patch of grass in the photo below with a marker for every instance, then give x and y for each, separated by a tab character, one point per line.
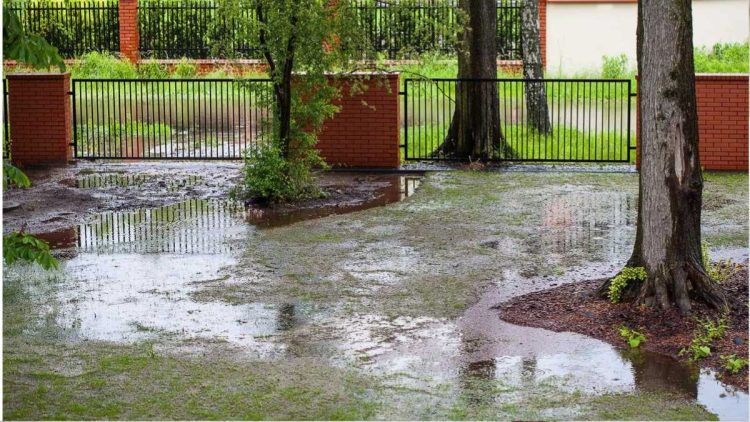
645	406
527	144
127	383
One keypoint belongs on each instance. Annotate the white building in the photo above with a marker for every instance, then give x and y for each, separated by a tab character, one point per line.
581	32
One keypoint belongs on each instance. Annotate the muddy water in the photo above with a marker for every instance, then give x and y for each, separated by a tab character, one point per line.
138	275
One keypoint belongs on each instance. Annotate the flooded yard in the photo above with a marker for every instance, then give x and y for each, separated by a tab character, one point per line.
180	303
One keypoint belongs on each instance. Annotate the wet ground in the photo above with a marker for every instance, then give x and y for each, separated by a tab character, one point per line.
385	312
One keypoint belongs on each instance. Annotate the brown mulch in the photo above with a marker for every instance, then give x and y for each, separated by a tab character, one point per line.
574	307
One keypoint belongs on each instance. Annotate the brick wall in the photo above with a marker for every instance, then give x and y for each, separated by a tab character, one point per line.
723	121
129	38
722	102
365	132
39	112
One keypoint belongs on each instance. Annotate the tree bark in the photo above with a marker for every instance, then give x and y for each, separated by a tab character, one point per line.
668	241
537	113
474	132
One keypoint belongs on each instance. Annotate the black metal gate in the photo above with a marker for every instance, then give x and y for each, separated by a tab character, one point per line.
589	120
169	118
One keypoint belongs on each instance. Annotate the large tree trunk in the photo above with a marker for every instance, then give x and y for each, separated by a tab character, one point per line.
475	128
668	241
537	114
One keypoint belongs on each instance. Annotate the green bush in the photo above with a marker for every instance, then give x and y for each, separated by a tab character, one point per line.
615	67
722	58
152	70
621	280
185	69
103	66
270	176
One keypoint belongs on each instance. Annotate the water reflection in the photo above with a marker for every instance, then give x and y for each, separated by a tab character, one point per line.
107	180
188	227
397	188
599	224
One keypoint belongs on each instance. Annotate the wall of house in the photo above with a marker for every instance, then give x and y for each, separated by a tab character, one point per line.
580	32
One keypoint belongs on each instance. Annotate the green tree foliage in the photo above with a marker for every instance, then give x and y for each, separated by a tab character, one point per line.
26	48
301	41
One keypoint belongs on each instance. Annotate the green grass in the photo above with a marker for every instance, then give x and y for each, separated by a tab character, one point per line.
95	139
527	144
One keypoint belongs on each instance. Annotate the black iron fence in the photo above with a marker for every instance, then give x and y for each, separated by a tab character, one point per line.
417	26
74	27
578	120
196	29
170	118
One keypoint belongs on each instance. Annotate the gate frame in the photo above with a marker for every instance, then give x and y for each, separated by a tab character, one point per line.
630	94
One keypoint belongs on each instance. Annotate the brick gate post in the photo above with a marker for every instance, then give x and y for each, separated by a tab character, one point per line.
129	38
39	112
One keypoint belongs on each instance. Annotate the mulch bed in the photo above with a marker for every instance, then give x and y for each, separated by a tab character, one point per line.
574	307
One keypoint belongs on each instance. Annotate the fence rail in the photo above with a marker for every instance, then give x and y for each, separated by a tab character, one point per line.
589	119
75	27
170	118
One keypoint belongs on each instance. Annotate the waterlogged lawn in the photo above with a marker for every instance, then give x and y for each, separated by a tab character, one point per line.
378	300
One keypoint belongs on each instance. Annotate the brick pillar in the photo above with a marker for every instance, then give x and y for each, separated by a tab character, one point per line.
129	40
39	112
543	31
366	131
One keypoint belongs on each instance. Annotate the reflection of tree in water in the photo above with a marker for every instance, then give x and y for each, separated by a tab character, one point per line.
587	222
657	373
286	319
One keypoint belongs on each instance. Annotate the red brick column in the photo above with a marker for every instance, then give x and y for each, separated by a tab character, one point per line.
39	112
722	102
129	40
366	130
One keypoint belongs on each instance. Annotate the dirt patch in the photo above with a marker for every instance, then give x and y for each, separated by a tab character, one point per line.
574	307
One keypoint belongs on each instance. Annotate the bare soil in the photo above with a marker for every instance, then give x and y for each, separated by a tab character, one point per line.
575	307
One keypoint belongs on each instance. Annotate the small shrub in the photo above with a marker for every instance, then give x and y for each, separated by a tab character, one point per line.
152	70
722	58
269	176
718	271
185	69
620	281
615	67
634	338
704	335
96	65
732	363
13	176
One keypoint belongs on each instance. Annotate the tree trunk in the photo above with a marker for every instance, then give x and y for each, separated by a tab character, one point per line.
537	114
474	132
668	241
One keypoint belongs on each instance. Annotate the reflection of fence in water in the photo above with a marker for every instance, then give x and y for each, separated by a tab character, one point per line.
192	226
591	223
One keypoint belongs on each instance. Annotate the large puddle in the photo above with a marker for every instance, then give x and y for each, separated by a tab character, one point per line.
134	276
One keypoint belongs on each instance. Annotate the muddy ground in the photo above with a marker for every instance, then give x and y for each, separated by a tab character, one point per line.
64	197
182	307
